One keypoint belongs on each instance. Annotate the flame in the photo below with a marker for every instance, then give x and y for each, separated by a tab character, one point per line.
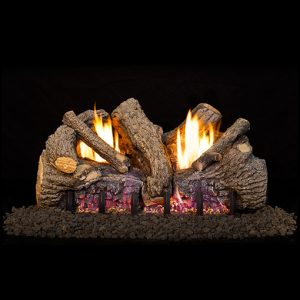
105	131
197	139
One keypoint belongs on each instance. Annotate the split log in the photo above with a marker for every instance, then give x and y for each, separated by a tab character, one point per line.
141	140
88	136
206	114
239	170
240	127
52	184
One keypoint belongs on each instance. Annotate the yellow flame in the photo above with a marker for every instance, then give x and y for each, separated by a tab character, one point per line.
116	139
105	131
197	139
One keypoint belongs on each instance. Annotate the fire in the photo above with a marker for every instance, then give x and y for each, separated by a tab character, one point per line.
105	131
197	139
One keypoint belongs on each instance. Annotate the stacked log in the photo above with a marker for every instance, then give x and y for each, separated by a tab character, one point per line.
60	169
228	164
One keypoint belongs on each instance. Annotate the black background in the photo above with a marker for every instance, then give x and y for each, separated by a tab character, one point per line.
248	71
246	65
34	100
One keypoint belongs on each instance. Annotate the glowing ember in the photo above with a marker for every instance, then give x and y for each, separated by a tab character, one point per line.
197	139
181	203
87	202
105	131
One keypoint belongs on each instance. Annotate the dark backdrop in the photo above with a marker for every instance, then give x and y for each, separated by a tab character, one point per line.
34	100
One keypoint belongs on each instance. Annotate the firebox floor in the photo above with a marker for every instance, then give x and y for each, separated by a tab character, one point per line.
57	223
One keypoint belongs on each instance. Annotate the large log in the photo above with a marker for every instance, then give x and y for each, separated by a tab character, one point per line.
52	184
60	149
239	170
240	127
59	167
119	161
206	114
141	141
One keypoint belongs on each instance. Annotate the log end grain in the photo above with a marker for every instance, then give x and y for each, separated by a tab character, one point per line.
66	164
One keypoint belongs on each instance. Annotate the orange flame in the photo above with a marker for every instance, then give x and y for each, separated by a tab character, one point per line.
197	139
103	130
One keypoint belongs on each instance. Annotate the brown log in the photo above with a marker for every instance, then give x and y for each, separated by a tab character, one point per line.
60	146
238	170
88	116
206	114
60	149
57	171
208	158
141	140
52	184
240	127
88	136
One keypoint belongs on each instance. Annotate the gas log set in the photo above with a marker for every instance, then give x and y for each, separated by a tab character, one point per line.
119	175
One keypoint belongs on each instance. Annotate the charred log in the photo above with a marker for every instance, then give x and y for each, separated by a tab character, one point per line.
118	188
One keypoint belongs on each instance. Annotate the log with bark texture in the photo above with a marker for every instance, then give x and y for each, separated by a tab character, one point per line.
206	114
240	127
141	140
59	167
60	149
88	116
51	184
60	146
115	183
238	170
206	158
88	136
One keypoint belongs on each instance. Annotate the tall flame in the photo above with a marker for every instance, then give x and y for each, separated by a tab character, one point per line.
197	139
105	131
